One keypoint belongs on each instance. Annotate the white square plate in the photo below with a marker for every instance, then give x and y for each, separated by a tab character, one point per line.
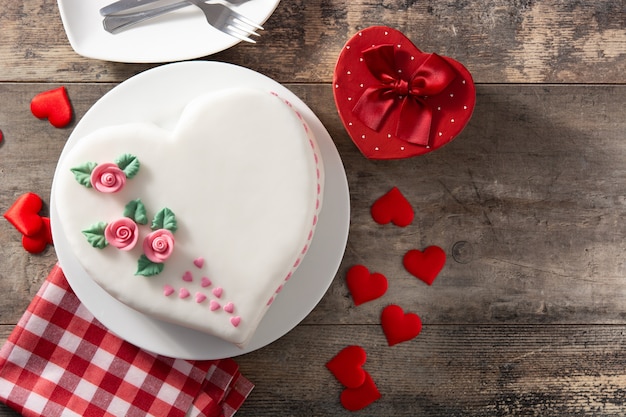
180	35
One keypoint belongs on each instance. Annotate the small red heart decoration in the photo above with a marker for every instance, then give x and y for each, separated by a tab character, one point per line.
399	326
365	286
396	101
53	105
24	214
354	399
394	208
37	243
425	265
346	366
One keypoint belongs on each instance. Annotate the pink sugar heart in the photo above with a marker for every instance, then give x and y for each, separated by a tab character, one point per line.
214	305
187	276
217	292
205	282
183	293
168	290
200	297
229	308
198	262
235	321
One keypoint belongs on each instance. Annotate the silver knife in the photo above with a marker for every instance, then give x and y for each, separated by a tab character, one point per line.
114	23
124	5
127	5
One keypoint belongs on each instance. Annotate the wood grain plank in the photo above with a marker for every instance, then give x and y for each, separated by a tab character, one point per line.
524	41
447	371
467	370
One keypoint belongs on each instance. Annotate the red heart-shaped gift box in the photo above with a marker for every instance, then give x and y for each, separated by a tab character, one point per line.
396	101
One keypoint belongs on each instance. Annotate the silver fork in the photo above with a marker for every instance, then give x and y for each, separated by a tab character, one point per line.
226	19
221	16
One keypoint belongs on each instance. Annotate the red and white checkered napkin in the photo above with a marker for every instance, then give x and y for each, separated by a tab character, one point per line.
60	361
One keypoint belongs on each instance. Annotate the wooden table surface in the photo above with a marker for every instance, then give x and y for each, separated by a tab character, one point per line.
528	316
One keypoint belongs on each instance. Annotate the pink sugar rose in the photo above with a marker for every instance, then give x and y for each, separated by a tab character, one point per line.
108	178
158	245
122	233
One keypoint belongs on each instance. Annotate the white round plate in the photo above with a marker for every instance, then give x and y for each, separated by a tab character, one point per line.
159	96
180	35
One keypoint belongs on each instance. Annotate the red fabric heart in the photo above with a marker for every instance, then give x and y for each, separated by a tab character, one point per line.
39	241
346	366
393	207
425	265
396	101
399	326
24	214
53	105
365	286
354	399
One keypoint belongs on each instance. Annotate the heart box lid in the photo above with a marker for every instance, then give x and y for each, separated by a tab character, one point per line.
396	101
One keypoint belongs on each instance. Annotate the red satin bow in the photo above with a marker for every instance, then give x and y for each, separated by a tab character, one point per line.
405	95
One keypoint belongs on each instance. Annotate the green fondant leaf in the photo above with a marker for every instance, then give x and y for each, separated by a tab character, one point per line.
82	173
95	235
136	211
165	219
148	268
129	164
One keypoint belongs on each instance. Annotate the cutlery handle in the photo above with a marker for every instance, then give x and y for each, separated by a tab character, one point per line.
117	23
122	5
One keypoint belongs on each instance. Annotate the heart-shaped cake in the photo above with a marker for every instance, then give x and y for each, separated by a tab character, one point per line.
202	225
396	101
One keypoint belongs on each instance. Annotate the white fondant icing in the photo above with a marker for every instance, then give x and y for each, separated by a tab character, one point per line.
243	175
